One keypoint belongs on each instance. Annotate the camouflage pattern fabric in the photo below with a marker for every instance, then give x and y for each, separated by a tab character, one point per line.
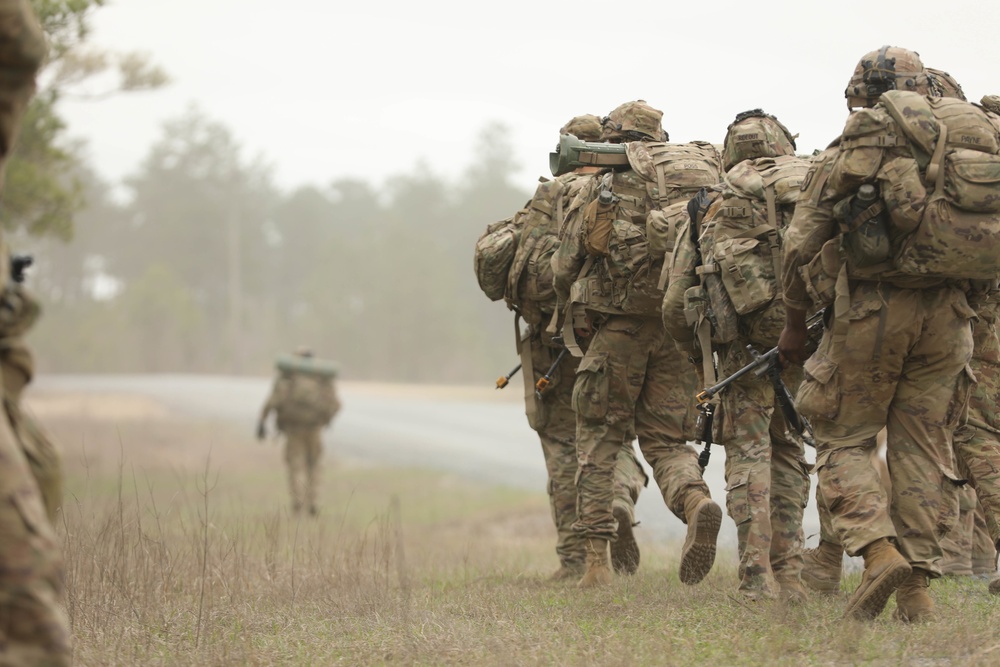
18	313
904	369
991	103
977	443
984	550
303	449
632	374
556	428
956	545
767	479
33	621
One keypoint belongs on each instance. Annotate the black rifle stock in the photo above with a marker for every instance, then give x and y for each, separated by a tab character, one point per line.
768	364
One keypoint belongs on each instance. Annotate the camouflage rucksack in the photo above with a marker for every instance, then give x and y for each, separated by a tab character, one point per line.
631	227
308	401
944	201
740	244
529	287
494	254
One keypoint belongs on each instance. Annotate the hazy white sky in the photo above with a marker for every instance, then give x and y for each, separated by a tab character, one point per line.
331	88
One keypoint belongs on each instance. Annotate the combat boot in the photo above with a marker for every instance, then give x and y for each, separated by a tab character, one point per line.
568	570
995	586
913	602
624	550
791	590
885	569
598	573
822	566
704	518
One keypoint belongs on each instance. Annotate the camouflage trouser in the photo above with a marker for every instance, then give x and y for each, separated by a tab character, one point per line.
984	550
900	364
956	545
767	478
977	443
553	419
303	448
34	626
826	532
632	374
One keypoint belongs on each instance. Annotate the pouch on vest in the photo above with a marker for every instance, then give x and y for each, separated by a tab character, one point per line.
747	275
820	274
866	237
972	180
661	229
599	219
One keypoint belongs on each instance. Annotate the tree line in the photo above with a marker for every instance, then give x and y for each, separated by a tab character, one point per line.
207	267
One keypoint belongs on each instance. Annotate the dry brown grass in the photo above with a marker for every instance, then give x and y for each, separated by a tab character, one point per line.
180	551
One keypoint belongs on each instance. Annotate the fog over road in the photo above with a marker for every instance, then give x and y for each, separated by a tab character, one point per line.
479	433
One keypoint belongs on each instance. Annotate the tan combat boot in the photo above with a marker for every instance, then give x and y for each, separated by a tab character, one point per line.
598	573
704	518
822	566
567	571
791	590
913	602
995	586
885	569
624	550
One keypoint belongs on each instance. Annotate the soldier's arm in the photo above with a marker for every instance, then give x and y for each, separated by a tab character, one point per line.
812	225
681	277
22	54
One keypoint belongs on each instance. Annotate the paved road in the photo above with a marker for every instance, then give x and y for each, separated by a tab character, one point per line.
467	431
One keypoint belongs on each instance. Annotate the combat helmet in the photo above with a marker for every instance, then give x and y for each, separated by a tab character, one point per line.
755	134
633	121
943	84
586	127
888	68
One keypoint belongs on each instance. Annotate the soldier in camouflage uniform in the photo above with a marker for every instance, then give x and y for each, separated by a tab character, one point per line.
527	289
34	626
767	479
894	353
303	405
18	312
631	374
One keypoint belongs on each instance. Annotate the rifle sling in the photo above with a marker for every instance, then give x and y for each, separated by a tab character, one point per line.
527	371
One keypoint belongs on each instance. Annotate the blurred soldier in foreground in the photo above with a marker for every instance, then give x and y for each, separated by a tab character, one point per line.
513	262
34	627
608	271
723	293
18	313
304	402
889	232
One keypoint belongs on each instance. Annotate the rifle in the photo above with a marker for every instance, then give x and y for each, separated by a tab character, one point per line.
768	363
18	264
505	380
544	381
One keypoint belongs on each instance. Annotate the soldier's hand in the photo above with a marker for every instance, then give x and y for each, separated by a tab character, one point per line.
793	339
261	431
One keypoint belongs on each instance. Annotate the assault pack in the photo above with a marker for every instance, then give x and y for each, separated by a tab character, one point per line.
513	258
935	168
630	227
740	245
307	400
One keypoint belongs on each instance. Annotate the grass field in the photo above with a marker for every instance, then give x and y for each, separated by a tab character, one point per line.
180	551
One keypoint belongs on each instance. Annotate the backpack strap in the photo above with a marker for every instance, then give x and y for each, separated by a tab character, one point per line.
773	238
569	336
934	176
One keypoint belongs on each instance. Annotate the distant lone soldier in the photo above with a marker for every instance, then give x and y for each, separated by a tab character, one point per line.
304	401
